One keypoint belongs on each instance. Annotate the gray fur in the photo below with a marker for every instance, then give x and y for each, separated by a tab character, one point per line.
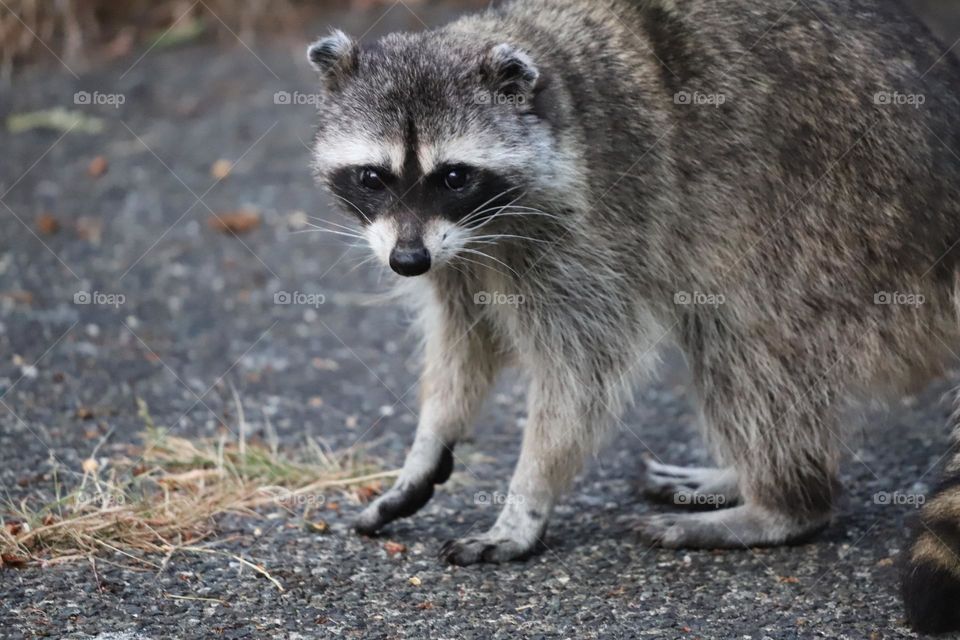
779	212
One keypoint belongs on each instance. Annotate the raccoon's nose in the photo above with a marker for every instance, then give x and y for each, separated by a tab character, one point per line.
409	259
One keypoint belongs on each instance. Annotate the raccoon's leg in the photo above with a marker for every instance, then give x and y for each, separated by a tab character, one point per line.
777	431
692	487
560	430
462	360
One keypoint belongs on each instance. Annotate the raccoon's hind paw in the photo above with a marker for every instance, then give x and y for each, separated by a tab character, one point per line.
486	548
691	487
736	528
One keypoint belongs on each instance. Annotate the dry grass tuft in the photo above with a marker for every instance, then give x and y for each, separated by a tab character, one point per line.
165	497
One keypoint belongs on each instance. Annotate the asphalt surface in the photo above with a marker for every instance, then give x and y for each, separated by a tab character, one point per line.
198	315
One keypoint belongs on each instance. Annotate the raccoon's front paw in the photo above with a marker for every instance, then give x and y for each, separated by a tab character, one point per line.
404	499
396	503
486	548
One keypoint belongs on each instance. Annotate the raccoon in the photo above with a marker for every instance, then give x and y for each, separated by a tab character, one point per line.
568	186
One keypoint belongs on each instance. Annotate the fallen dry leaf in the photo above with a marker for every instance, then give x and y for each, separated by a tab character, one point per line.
318	527
24	297
242	221
415	581
10	560
394	548
47	225
788	580
221	169
97	167
90	465
368	491
84	413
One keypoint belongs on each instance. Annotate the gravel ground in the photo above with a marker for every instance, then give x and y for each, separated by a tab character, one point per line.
198	316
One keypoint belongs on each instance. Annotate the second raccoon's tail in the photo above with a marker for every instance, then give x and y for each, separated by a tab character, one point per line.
931	579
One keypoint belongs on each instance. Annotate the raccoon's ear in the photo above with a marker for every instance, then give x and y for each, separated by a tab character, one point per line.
512	70
334	57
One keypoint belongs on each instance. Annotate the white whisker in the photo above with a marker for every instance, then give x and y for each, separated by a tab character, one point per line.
486	266
494	198
359	210
488	256
502	236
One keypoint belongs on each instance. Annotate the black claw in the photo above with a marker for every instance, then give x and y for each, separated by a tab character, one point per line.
445	549
487	554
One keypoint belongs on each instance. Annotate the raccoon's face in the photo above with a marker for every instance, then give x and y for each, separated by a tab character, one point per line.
426	139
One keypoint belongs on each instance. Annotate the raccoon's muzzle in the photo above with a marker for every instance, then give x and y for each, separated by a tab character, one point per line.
410	259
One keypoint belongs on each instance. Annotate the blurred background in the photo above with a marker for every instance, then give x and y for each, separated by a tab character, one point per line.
90	32
159	265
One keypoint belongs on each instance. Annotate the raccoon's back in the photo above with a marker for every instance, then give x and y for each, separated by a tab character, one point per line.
823	131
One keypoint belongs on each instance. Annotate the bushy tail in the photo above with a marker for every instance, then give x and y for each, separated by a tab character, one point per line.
931	580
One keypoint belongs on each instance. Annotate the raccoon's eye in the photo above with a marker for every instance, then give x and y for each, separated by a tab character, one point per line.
456	179
371	179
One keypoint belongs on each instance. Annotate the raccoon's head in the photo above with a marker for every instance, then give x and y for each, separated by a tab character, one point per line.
427	138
